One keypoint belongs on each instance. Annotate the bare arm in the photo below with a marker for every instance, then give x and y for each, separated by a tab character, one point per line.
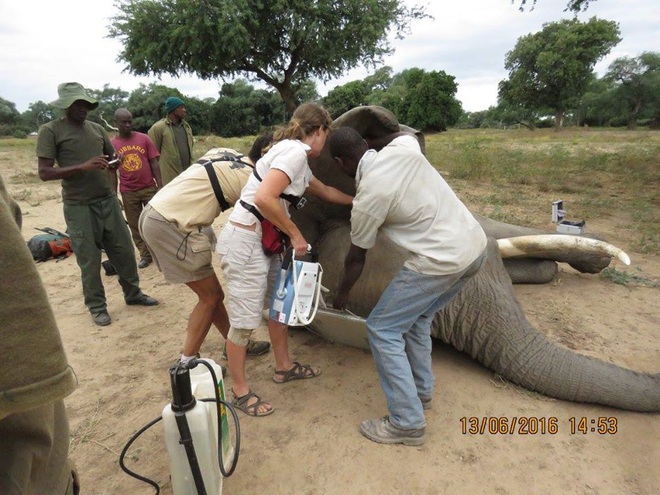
328	193
48	171
353	266
155	171
267	200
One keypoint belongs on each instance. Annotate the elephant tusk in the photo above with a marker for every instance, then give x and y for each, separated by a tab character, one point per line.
545	245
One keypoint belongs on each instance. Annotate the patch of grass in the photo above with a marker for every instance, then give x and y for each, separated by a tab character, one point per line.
22	195
596	171
205	143
627	279
469	162
18	143
25	177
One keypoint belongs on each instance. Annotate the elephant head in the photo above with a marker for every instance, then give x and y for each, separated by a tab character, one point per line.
485	319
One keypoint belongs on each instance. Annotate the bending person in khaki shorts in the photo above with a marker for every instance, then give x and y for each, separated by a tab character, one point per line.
176	227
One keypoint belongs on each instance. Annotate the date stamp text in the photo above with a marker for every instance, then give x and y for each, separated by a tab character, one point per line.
537	425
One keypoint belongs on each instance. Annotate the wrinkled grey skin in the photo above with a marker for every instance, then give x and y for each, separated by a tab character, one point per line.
485	319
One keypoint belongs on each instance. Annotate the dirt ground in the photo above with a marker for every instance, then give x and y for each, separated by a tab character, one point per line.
311	444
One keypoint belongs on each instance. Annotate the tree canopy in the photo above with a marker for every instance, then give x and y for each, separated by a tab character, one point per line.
551	69
280	42
636	90
572	5
424	100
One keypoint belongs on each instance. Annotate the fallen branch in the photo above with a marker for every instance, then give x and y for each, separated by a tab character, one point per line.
107	124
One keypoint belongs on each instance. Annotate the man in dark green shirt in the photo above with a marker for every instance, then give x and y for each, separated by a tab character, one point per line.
84	156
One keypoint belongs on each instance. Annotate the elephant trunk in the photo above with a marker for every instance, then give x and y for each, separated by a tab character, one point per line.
486	321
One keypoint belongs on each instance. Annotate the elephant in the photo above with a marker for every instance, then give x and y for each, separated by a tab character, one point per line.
485	319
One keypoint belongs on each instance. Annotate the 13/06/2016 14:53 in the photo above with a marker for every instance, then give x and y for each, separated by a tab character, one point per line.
533	425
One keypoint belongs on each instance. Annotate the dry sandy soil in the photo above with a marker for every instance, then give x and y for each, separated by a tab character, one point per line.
311	444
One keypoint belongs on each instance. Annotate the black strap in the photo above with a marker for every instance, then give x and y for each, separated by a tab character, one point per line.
51	231
216	186
252	209
187	441
226	157
297	201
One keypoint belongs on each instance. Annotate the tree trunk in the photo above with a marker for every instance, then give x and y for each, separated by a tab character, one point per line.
529	126
288	97
559	119
632	120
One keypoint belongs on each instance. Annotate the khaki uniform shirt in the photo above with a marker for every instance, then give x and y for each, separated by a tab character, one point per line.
162	135
189	201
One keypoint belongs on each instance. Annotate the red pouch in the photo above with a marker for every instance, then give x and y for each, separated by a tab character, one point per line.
273	240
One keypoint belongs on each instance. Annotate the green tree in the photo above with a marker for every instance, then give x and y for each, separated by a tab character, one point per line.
242	110
432	103
507	114
420	99
281	43
552	68
9	117
306	91
637	86
199	114
367	91
8	113
598	105
37	113
572	5
147	104
110	99
342	98
473	120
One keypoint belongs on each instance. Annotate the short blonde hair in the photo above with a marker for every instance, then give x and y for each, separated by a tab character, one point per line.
305	120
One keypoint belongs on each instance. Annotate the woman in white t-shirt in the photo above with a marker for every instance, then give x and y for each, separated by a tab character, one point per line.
283	170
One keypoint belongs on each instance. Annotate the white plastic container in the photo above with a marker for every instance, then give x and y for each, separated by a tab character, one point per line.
201	425
199	421
202	386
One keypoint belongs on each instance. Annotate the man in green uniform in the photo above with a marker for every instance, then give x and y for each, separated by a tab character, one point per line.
34	373
173	138
84	157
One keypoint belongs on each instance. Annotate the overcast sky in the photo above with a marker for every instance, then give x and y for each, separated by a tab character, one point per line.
46	42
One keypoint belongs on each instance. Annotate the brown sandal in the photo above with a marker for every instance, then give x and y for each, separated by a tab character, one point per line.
298	372
250	409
